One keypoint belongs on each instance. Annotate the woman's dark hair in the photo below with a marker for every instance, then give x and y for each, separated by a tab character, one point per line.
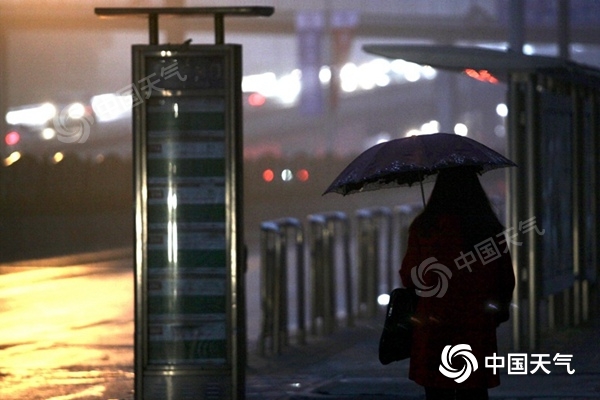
458	192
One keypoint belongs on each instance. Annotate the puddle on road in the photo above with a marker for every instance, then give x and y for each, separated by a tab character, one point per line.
62	384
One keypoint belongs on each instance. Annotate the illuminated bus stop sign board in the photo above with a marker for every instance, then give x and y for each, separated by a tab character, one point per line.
187	107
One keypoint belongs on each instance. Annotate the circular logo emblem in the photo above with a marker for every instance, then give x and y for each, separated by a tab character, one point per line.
431	265
460	350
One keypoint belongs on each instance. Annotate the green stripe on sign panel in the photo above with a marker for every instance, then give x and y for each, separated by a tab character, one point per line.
187	304
186	121
187	213
182	352
185	167
189	259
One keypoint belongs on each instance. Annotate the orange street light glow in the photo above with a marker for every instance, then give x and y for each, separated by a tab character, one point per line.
482	75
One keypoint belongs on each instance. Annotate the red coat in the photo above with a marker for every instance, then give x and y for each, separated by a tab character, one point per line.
465	313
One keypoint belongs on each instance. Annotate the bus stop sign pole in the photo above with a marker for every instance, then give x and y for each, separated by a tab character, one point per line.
218	14
189	255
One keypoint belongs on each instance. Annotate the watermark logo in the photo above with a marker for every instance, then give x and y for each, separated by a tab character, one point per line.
490	249
138	92
519	363
431	265
515	363
470	362
484	252
72	124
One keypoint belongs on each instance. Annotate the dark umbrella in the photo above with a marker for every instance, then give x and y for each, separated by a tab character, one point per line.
402	162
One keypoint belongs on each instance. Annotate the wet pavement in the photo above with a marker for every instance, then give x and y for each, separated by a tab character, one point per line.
66	328
345	366
67	334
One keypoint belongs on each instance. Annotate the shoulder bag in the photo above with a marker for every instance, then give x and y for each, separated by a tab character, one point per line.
396	338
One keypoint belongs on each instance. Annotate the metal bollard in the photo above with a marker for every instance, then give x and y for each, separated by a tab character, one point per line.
374	235
274	277
325	230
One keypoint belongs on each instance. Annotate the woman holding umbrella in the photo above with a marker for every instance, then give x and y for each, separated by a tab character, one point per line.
457	258
458	261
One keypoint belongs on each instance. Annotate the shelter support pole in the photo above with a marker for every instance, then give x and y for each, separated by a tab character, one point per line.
587	122
523	203
516	9
563	19
595	131
532	202
515	196
578	186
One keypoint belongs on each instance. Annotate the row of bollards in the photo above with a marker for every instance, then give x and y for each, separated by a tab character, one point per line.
350	263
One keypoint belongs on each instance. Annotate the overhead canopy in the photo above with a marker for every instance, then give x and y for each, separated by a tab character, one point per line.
498	62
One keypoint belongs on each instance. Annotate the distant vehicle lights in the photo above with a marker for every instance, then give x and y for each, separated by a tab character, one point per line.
285	89
12	158
302	175
12	138
256	100
48	133
57	157
76	111
286	175
268	175
31	115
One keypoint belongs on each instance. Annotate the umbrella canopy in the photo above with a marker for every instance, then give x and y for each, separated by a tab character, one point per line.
402	162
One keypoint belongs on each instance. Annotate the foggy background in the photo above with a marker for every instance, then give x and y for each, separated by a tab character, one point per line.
62	194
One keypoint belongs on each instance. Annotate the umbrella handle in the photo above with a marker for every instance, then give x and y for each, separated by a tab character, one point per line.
422	191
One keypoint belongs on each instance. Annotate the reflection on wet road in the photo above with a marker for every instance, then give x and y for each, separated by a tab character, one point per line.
65	332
